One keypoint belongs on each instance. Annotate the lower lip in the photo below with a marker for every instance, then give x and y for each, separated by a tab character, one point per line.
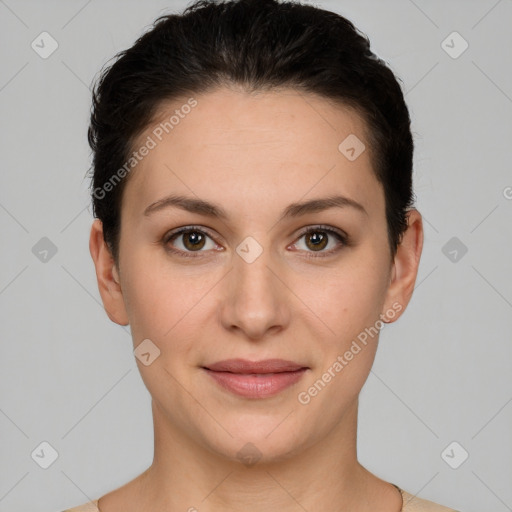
252	386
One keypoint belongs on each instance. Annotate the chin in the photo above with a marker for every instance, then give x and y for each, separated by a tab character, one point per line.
259	440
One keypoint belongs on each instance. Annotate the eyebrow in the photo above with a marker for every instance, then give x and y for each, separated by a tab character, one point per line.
208	209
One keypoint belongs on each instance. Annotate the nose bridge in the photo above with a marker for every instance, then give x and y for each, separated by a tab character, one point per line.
253	275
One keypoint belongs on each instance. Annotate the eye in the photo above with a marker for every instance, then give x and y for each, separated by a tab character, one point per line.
192	240
317	238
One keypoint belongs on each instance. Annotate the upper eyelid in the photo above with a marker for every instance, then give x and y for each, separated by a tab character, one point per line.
323	227
184	229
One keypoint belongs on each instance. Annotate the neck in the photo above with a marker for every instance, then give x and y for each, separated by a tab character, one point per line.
185	475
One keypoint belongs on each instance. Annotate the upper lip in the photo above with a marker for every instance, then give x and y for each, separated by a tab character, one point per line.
245	366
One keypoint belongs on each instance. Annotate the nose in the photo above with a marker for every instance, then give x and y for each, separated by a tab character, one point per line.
255	297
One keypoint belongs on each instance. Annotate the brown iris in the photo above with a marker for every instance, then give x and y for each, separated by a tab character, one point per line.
318	240
193	240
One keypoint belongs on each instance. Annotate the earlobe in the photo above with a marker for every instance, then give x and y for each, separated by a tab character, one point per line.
107	276
405	268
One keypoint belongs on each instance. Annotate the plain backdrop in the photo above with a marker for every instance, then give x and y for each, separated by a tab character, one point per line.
441	386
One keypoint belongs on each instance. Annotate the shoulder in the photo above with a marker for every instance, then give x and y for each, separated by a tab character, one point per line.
411	504
414	504
91	506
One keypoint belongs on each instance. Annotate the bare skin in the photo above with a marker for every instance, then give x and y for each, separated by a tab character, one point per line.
253	155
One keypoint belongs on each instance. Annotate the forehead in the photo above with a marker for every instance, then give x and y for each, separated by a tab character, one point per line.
249	149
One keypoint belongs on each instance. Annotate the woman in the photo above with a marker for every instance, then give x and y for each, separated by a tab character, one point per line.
255	228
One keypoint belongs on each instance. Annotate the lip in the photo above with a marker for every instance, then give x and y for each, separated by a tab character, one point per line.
245	366
256	379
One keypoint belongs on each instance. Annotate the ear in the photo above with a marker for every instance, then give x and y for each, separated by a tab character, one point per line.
405	268
107	276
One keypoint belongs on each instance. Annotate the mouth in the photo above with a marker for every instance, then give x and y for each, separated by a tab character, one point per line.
255	379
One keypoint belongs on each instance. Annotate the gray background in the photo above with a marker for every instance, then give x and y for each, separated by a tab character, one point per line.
442	372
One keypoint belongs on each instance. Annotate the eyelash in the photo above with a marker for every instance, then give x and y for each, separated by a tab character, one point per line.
342	238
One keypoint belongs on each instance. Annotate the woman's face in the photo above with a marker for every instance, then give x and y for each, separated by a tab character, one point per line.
250	284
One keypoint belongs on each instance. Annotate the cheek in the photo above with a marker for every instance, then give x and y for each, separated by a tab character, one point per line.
166	310
349	304
345	299
164	303
151	307
152	298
